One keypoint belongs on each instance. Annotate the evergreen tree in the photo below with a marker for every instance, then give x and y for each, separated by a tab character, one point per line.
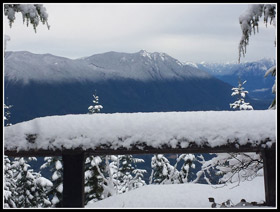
110	176
162	171
240	93
10	187
94	167
7	114
93	180
55	192
96	107
138	174
186	174
129	176
125	170
31	186
9	181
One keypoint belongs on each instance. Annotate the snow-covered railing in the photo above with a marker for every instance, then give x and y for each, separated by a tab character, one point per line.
76	136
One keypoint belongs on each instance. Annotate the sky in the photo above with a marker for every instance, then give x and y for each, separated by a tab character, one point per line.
188	32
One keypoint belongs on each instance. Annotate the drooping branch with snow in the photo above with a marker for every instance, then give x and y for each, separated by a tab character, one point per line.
249	21
232	168
31	13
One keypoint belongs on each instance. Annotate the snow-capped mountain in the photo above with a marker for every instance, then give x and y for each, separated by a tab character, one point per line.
25	66
259	87
234	68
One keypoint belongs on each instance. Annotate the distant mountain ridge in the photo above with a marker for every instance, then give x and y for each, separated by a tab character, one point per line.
257	67
25	66
259	87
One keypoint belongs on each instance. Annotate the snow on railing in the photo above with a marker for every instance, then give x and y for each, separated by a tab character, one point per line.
75	136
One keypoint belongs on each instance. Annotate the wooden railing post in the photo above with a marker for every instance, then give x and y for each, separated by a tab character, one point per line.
73	179
269	168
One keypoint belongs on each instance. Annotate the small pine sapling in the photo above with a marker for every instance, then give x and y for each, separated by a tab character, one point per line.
240	93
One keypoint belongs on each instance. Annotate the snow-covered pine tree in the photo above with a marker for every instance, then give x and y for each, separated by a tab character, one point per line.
10	187
124	172
55	192
10	194
107	170
110	176
23	187
185	174
32	13
31	186
129	176
240	93
93	180
43	185
138	174
162	170
94	167
249	21
7	114
96	107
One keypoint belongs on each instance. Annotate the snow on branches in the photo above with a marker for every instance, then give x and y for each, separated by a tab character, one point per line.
272	71
240	103
95	108
232	168
249	21
32	13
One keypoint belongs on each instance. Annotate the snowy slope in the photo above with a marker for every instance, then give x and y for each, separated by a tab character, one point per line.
183	196
143	65
25	66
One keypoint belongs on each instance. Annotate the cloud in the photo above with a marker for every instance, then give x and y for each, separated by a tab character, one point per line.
208	32
261	90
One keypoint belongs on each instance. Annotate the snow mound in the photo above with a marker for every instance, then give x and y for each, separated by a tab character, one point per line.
188	195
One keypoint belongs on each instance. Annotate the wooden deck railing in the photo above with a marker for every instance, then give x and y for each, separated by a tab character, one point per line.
74	162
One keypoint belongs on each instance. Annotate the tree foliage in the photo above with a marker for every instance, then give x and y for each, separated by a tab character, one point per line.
96	107
249	21
23	187
54	164
31	13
